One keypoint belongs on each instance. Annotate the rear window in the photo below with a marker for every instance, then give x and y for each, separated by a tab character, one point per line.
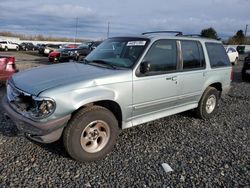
217	55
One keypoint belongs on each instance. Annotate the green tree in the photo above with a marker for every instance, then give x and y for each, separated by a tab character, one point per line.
238	38
209	33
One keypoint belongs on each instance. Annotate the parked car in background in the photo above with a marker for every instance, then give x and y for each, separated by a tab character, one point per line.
50	48
54	56
41	48
7	68
240	49
8	45
233	55
124	82
84	49
246	68
70	46
67	54
27	46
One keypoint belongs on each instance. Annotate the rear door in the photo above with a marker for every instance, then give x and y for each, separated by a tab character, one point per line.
192	76
157	89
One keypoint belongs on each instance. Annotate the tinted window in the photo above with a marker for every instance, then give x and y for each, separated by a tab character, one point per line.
162	56
3	42
217	55
192	55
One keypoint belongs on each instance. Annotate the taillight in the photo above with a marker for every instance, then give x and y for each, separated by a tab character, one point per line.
11	60
11	63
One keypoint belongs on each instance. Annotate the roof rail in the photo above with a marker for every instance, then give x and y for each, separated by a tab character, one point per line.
178	33
192	35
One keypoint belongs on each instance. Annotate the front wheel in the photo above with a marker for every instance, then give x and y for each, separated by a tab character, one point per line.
208	103
91	134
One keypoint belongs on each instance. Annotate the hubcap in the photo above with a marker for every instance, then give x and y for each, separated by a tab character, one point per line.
95	136
210	104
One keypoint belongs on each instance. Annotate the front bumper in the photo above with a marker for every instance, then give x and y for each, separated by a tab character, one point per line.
44	132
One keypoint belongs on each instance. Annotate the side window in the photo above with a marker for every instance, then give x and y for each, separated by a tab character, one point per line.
192	55
217	55
162	57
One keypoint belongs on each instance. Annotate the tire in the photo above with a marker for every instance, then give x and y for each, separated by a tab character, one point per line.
6	48
17	48
26	49
93	125
80	58
208	103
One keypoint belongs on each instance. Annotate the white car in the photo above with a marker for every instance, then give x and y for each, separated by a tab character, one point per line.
8	45
232	54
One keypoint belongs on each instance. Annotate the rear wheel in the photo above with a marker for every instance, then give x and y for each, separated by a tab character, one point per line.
91	134
17	48
208	103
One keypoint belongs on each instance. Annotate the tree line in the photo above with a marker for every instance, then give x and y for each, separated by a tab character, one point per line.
238	39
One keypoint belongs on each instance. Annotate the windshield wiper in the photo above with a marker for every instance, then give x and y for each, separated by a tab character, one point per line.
97	61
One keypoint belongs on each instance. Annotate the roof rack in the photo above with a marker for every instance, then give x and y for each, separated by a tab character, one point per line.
178	33
192	35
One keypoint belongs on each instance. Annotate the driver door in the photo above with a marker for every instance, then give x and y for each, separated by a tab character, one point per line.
157	89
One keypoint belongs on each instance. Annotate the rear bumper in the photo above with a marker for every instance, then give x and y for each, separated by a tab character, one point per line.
44	132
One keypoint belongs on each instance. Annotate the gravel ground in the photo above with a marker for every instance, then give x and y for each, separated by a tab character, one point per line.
214	153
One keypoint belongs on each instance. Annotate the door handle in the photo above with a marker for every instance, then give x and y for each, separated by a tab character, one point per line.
174	78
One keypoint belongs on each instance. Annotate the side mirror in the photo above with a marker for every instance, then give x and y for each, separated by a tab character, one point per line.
144	67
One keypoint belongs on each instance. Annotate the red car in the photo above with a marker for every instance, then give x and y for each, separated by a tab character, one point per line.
7	68
54	56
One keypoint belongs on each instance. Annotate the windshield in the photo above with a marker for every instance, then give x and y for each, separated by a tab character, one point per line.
119	52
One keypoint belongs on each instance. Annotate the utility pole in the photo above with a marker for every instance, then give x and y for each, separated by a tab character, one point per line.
76	28
108	31
246	30
246	34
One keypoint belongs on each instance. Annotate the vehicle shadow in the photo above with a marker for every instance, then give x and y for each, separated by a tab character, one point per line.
55	147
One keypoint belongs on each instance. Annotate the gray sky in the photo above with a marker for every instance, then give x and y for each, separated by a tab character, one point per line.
58	17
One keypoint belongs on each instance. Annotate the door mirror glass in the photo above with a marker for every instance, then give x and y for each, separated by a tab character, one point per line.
144	67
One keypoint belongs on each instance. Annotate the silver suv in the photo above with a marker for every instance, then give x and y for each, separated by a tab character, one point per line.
125	81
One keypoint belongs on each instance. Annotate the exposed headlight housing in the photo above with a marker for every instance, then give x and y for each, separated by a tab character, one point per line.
30	106
41	108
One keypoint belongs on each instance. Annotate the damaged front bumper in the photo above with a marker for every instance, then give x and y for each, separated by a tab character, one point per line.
44	132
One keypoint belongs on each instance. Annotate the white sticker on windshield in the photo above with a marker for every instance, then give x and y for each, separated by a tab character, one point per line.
136	43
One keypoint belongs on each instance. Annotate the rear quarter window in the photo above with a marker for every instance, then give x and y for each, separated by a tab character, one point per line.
217	55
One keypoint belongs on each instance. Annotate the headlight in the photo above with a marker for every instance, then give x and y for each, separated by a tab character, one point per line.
41	108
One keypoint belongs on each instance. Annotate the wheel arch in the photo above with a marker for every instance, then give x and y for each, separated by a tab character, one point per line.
111	105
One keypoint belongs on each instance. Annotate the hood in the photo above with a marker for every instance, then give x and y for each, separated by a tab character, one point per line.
37	80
